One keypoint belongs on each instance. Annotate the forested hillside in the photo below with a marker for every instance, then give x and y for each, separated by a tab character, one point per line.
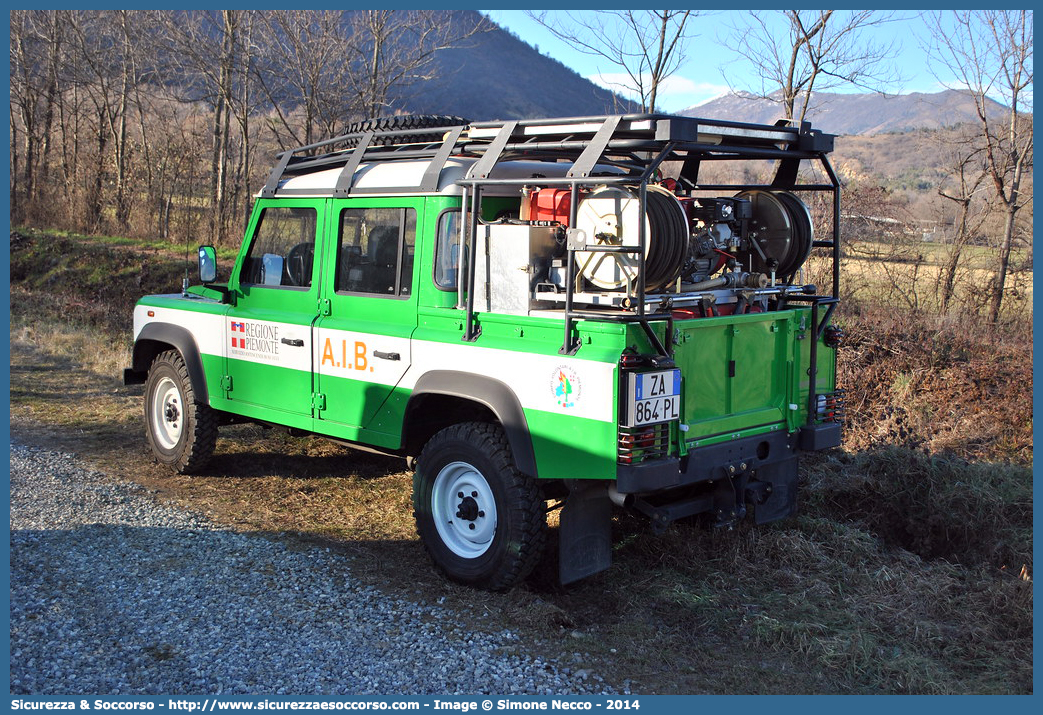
166	122
496	75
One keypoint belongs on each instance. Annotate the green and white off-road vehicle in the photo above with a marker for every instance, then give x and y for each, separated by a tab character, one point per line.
541	313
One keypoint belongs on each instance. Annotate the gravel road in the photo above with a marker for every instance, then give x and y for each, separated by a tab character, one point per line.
113	593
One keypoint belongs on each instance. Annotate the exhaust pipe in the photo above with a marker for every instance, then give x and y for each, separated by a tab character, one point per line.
618	498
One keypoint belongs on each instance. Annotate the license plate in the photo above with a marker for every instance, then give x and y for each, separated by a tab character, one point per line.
654	397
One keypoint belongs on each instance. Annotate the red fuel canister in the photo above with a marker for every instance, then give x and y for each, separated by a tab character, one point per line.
550	205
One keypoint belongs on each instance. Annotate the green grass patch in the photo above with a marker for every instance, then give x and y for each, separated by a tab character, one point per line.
939	507
166	245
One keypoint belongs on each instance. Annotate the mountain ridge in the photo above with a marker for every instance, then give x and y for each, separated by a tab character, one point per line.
855	114
497	75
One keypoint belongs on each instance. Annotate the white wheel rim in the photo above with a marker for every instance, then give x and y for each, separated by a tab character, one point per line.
168	414
466	524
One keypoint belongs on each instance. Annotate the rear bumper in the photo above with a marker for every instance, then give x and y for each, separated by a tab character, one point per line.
821	436
724	480
718	461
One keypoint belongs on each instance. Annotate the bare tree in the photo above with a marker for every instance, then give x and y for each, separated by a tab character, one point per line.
207	50
967	167
99	68
322	70
647	45
127	81
813	50
394	50
55	60
25	100
303	65
37	48
243	98
989	53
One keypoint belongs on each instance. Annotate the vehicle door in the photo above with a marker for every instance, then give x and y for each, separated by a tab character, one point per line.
268	331
369	306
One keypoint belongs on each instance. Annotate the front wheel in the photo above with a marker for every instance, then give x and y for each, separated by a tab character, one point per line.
480	519
181	431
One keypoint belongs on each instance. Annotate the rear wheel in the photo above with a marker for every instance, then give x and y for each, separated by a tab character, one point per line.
181	431
480	519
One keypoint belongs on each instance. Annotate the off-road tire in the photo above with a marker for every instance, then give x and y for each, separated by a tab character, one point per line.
517	540
182	431
411	121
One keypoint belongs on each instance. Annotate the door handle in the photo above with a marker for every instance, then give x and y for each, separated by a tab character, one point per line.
295	343
386	356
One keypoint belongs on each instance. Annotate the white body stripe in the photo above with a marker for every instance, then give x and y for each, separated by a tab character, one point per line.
532	377
258	341
206	328
352	355
264	342
539	381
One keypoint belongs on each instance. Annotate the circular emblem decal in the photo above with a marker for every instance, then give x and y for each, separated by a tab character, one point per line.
565	386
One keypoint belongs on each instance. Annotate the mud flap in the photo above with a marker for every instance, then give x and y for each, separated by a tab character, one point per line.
780	493
585	532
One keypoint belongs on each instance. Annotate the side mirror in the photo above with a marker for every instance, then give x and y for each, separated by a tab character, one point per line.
207	264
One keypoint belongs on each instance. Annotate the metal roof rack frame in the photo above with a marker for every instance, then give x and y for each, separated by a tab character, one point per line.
634	146
349	151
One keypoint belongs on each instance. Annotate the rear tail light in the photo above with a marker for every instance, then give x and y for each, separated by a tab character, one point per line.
831	407
637	444
632	361
640	439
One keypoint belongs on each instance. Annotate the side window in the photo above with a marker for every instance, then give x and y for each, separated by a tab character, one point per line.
376	251
283	249
447	250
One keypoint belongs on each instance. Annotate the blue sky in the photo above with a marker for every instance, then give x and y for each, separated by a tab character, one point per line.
702	76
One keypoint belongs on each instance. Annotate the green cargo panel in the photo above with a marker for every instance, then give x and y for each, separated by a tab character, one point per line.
736	371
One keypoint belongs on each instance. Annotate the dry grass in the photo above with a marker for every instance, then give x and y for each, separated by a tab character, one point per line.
899	272
902	574
928	385
72	342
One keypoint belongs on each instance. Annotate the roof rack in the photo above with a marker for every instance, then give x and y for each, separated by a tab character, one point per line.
351	150
629	141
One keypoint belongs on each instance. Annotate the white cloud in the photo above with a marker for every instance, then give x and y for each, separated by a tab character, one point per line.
675	92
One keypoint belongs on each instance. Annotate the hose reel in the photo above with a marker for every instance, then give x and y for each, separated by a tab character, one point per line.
781	233
610	216
777	236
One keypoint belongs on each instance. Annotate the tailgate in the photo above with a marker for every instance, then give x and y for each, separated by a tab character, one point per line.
741	372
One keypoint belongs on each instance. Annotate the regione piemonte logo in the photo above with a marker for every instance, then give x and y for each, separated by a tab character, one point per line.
236	341
257	338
